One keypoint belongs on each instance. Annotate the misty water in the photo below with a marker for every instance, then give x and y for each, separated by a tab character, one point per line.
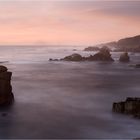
67	99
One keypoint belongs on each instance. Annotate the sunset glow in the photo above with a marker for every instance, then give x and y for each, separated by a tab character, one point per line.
67	22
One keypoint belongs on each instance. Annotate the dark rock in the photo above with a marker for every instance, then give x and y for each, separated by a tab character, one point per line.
92	49
53	59
102	55
4	114
73	57
118	107
124	57
130	106
3	69
98	46
131	44
137	66
6	95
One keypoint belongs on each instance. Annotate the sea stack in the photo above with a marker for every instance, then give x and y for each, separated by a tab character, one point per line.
124	57
6	95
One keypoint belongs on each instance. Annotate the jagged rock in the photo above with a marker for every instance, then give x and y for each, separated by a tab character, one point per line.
119	107
6	95
129	106
124	57
3	69
102	55
73	57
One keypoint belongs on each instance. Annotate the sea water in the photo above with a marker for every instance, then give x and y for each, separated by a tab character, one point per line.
67	99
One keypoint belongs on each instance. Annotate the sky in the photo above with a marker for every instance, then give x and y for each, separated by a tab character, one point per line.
67	22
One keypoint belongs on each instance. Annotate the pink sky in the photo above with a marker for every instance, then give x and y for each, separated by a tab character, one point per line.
67	22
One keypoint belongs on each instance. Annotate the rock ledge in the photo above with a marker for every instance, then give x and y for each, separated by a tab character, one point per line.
130	106
6	95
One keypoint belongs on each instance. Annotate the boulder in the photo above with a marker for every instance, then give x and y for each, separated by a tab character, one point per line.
6	95
129	106
124	57
73	57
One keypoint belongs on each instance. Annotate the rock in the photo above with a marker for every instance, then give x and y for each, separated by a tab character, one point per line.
73	57
102	55
92	49
129	106
53	59
137	66
124	57
3	69
6	95
118	107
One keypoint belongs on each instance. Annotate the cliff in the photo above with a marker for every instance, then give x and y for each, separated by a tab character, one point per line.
6	95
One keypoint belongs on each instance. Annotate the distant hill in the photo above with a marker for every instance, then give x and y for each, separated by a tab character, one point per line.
131	44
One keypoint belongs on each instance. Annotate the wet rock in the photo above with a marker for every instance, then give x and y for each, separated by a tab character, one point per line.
6	95
53	59
119	107
73	57
124	57
137	66
102	55
3	69
129	106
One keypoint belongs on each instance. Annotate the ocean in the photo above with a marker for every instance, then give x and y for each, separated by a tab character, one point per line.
67	100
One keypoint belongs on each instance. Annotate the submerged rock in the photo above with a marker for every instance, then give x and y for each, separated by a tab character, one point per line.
129	106
6	95
124	57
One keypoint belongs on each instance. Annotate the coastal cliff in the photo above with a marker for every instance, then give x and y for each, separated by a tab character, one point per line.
6	95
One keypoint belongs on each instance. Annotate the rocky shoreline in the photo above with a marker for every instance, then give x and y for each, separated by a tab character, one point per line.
130	106
6	95
102	55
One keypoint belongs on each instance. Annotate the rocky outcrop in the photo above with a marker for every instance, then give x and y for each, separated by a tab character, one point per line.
129	106
6	95
73	57
124	57
130	44
102	55
98	46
